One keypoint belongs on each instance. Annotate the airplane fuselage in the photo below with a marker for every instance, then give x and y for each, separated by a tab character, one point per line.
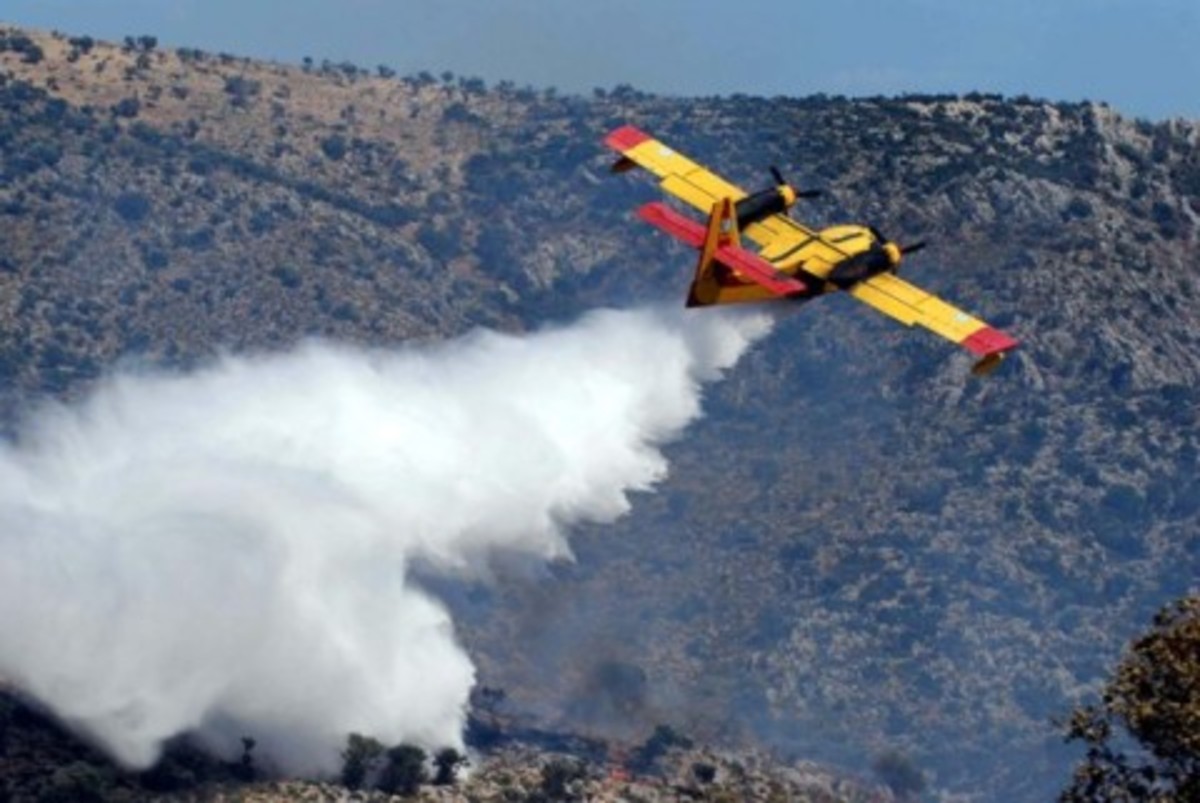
859	256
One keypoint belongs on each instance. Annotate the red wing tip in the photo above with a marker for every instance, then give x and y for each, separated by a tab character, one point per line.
989	341
625	138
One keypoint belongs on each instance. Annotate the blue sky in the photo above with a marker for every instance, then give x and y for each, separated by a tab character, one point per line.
1141	56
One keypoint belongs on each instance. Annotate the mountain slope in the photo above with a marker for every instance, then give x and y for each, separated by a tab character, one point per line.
861	547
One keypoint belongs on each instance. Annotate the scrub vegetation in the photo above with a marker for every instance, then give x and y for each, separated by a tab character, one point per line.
862	557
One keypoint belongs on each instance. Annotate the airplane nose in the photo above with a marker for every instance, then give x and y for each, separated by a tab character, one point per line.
789	195
894	254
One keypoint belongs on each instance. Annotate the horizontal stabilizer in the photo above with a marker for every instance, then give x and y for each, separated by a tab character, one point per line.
680	227
749	266
760	271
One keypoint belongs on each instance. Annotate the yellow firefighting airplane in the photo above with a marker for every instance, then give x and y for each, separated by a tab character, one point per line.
793	261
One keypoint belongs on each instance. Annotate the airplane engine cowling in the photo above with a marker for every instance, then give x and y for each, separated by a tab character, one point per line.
860	267
760	206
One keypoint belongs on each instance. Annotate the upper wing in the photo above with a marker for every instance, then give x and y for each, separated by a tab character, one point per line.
911	305
695	185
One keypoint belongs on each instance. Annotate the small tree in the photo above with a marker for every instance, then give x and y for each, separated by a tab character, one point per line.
560	778
79	782
245	768
132	206
446	763
334	147
405	770
704	772
1154	698
127	107
645	758
359	759
900	774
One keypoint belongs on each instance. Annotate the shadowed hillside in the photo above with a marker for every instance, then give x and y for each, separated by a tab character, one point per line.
861	549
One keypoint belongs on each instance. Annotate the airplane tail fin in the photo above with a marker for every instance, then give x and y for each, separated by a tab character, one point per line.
705	287
721	232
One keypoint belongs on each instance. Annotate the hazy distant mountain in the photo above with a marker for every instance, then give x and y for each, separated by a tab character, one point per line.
861	549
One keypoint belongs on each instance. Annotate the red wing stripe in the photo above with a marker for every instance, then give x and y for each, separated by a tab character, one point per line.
759	271
989	341
661	216
626	138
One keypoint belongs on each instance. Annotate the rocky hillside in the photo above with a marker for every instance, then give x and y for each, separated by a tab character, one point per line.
41	762
861	549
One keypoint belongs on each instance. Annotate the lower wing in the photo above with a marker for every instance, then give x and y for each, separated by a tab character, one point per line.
911	305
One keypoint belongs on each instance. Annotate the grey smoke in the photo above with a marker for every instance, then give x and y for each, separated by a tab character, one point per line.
227	552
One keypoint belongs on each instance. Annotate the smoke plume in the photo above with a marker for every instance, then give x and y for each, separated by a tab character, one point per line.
228	552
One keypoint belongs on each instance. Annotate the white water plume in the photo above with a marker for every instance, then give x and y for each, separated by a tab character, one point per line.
227	552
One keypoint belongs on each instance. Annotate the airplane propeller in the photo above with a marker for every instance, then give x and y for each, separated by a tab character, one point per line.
904	249
777	174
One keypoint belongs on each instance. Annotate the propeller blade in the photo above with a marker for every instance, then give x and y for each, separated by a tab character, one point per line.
904	249
777	174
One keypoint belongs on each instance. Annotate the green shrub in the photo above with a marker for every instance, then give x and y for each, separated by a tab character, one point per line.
405	770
